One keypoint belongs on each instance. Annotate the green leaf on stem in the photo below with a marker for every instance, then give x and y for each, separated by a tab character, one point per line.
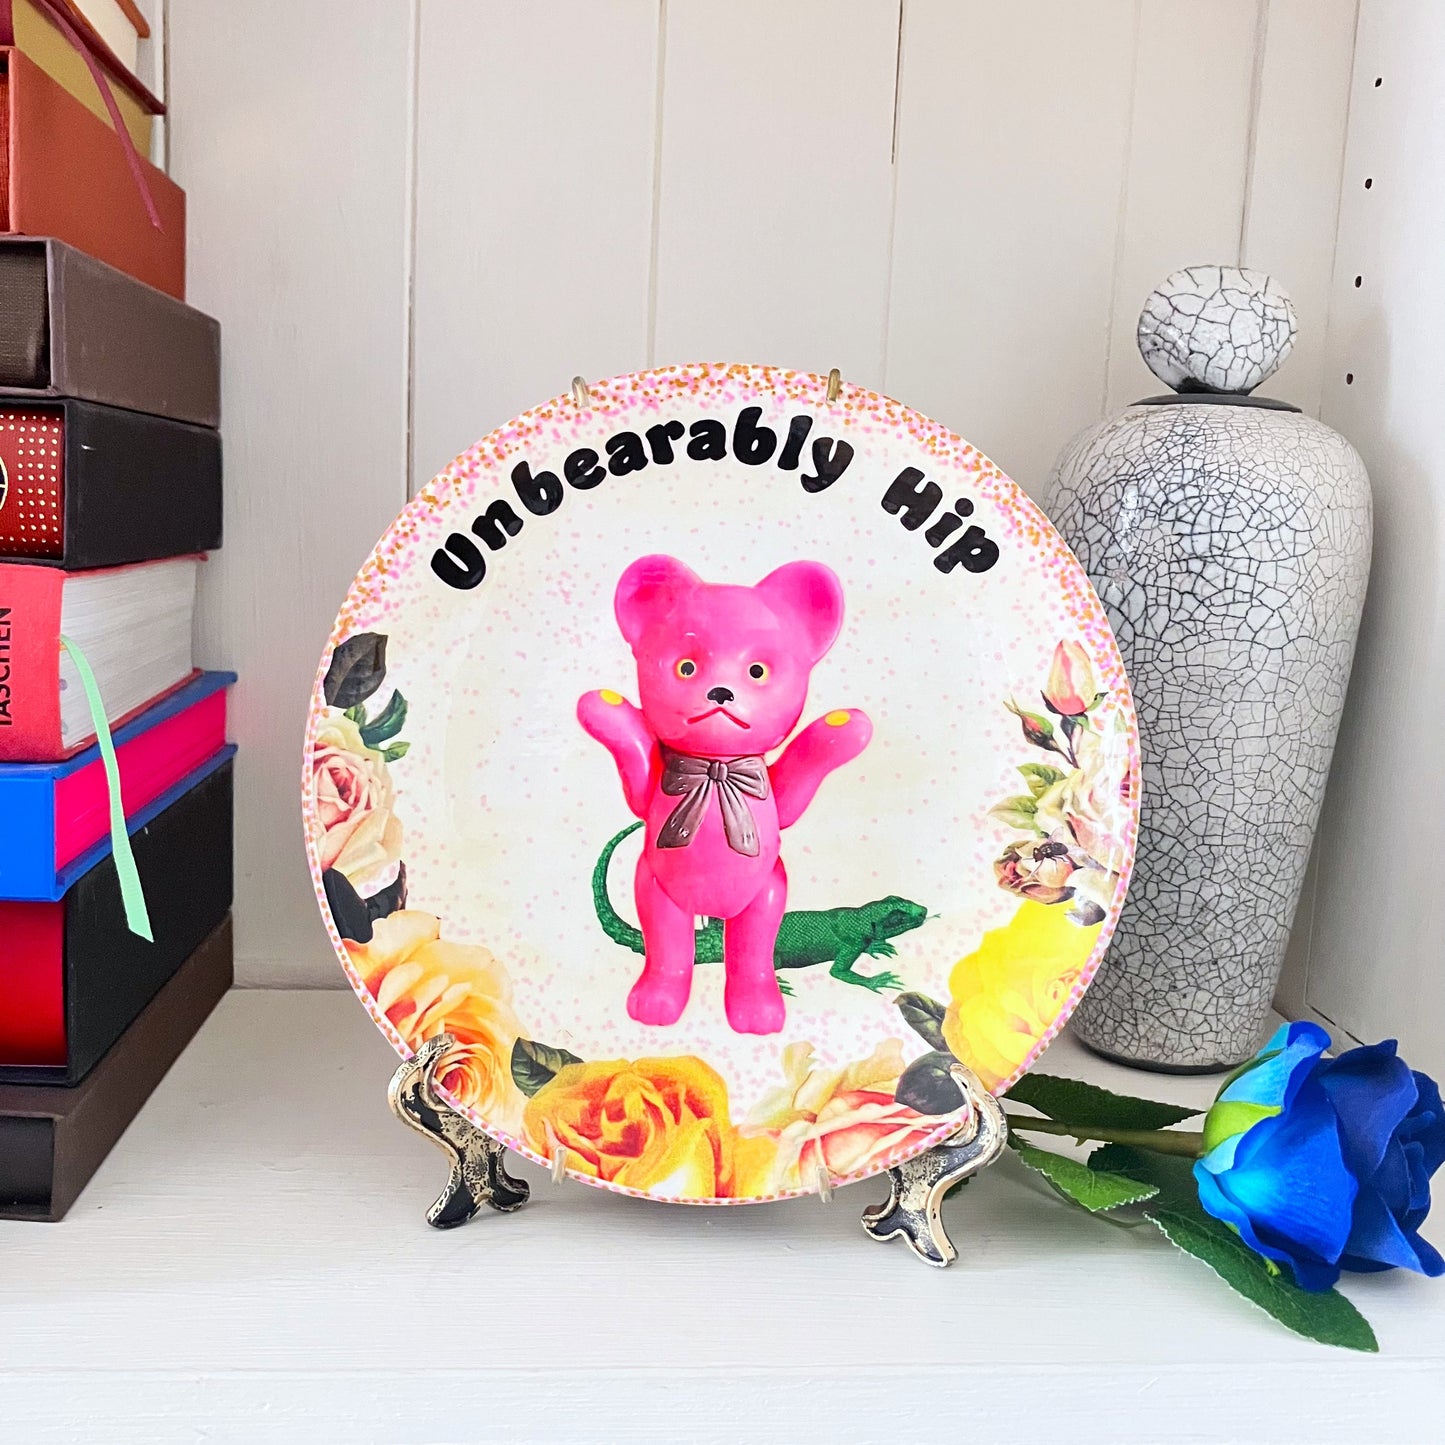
1041	777
1326	1316
1072	1102
1094	1189
535	1065
1017	812
924	1016
393	751
387	723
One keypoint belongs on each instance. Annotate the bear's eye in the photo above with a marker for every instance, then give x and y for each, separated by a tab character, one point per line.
686	667
758	672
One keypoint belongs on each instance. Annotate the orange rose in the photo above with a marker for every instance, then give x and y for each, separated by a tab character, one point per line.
426	986
843	1118
659	1125
1007	994
354	831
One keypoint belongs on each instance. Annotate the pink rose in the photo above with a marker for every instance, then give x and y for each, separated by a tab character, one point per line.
354	829
1041	869
1091	804
845	1119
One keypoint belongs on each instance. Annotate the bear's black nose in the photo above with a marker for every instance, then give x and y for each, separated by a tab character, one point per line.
719	695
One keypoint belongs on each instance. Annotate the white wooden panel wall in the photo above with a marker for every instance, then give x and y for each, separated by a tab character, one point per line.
534	208
289	134
1375	955
413	228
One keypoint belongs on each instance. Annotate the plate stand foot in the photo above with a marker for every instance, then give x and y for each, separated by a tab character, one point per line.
917	1186
478	1173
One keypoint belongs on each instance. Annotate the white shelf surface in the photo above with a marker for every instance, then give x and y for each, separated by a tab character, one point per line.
252	1264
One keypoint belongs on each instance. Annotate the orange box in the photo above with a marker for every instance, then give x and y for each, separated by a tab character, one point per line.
63	173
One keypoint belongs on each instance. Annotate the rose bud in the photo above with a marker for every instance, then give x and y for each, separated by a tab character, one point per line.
1038	730
1071	690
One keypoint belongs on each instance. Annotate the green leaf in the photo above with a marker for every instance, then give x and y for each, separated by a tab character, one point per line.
393	751
1041	777
1326	1315
357	669
387	723
928	1085
357	714
535	1065
1072	1102
924	1016
1017	812
1093	1188
1171	1174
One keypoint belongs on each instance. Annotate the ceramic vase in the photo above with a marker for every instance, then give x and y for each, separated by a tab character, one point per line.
1229	538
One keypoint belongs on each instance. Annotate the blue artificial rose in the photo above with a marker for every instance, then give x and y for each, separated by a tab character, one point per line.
1325	1164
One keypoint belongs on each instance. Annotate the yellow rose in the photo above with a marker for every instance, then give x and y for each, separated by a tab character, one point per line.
353	827
659	1125
1006	995
426	986
843	1118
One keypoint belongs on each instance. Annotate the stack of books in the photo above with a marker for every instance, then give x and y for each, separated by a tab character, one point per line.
115	773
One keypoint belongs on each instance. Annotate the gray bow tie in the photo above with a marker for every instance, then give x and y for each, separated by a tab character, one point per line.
695	779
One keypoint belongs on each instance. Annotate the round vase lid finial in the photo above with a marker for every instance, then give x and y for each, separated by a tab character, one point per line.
1216	328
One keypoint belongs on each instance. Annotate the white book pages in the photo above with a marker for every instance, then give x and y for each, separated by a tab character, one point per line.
115	29
134	626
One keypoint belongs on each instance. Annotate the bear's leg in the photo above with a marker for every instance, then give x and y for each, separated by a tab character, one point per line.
660	995
752	997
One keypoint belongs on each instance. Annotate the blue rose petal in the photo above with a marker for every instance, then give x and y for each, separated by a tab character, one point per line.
1372	1092
1286	1188
1394	1132
1325	1164
1279	1067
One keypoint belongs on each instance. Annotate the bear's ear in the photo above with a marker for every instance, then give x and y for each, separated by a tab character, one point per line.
810	595
649	586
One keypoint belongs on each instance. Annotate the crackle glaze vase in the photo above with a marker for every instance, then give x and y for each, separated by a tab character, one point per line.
1229	539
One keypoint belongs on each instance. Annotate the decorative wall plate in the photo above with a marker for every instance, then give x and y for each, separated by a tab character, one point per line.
717	763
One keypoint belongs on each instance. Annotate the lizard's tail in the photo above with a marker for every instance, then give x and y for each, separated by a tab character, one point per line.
614	925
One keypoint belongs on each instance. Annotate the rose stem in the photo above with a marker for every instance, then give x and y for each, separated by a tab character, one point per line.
1161	1141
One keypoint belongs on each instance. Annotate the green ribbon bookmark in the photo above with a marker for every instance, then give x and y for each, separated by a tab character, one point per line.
137	916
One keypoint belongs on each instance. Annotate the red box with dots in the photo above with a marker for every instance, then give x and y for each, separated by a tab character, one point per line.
32	469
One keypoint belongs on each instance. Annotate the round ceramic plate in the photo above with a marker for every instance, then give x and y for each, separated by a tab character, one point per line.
718	764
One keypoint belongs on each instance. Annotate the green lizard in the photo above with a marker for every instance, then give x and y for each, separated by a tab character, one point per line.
839	936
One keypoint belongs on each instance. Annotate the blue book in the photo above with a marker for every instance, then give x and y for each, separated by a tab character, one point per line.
57	815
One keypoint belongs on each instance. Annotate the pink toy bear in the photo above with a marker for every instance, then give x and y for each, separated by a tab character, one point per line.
722	675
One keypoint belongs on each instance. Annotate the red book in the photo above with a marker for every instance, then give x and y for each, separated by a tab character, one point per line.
52	1139
65	175
133	625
